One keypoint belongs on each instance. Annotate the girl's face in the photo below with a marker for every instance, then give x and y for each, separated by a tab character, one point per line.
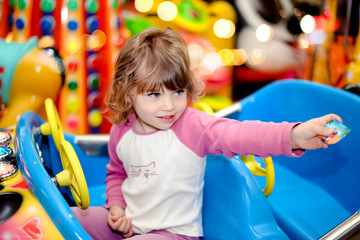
159	110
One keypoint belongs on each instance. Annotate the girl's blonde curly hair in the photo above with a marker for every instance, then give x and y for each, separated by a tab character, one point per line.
149	61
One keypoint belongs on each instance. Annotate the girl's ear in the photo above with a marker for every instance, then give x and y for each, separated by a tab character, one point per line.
132	94
189	98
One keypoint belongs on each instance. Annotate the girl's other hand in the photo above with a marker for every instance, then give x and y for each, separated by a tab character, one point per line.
119	222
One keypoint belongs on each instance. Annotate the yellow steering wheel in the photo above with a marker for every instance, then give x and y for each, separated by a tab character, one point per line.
72	175
53	126
257	170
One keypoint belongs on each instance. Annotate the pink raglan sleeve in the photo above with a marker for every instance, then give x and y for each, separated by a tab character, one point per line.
115	173
207	134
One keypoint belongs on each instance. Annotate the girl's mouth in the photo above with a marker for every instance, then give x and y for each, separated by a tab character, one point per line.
169	118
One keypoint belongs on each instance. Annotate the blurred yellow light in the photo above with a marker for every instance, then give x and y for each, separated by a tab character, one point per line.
307	24
96	40
226	56
303	42
167	11
73	45
93	43
264	33
239	57
72	104
46	41
143	5
9	37
95	118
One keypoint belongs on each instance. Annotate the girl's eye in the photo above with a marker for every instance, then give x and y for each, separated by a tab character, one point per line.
179	92
154	95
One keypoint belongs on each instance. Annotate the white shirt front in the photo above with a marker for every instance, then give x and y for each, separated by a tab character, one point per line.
164	188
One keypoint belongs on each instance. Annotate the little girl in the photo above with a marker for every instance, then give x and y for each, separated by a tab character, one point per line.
158	145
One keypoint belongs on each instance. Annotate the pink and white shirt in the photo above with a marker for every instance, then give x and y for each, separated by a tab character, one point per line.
158	177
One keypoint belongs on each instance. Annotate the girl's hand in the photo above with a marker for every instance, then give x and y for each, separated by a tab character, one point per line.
305	135
118	221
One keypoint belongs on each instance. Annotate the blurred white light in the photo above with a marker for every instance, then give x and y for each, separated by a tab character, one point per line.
210	63
307	24
196	52
224	28
143	5
264	33
232	29
317	37
64	15
256	57
167	11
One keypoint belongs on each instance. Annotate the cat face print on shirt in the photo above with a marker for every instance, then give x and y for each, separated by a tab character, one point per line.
143	173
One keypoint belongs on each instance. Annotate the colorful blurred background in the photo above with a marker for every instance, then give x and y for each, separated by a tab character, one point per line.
66	49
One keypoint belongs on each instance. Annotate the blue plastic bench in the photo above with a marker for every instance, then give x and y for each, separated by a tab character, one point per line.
314	193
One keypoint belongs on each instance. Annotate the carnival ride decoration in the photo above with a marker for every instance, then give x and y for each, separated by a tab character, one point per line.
271	46
334	46
88	35
28	75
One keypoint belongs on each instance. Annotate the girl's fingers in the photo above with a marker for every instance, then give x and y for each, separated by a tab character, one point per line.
125	225
114	225
122	226
325	131
128	224
127	231
330	117
110	221
129	234
320	143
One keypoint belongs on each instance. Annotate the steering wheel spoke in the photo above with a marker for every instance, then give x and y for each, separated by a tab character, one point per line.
75	191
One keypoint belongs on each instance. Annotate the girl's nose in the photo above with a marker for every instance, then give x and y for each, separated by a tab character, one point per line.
168	104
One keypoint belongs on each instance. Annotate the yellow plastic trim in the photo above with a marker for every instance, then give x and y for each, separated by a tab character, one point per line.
202	106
